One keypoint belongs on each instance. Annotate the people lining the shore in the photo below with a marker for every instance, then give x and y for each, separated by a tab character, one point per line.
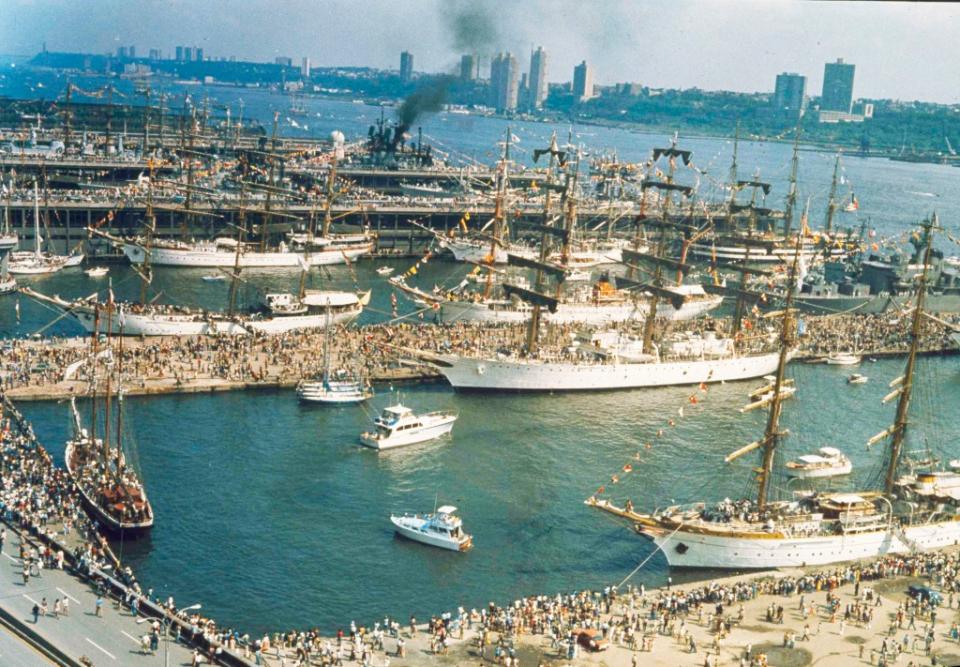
379	350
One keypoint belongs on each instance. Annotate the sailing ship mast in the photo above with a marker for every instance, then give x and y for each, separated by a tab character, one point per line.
145	271
267	216
499	215
533	328
773	434
832	202
241	231
899	429
792	192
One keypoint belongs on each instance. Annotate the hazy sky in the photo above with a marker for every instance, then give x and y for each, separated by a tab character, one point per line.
901	50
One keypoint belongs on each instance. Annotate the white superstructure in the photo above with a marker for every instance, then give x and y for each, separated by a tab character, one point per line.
398	426
441	529
828	462
588	308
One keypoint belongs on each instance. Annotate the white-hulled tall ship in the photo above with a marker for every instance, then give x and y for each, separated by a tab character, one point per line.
112	492
908	512
610	360
278	313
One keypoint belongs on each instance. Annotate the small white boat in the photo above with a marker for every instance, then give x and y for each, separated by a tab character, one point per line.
830	462
97	271
844	359
856	378
341	389
441	529
7	285
578	276
214	277
398	426
384	270
954	464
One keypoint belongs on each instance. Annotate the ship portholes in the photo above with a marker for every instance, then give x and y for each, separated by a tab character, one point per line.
681	548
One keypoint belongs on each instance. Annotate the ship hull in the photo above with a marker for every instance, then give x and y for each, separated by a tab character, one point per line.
196	325
706	551
568	313
93	508
783	255
465	373
210	259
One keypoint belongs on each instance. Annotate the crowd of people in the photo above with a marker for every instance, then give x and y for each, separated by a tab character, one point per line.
378	351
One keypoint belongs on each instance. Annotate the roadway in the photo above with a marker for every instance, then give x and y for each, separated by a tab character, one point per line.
112	639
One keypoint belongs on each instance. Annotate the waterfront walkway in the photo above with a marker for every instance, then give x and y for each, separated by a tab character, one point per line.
857	614
34	370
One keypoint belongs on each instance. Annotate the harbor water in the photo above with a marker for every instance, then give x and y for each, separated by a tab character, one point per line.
273	516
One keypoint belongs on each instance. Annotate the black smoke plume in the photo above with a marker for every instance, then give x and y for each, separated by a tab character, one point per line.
473	27
427	98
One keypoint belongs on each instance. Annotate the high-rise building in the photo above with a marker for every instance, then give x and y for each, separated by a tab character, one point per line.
504	82
406	66
132	51
582	82
155	54
179	57
188	53
121	52
790	96
283	60
538	79
305	68
468	67
198	51
837	87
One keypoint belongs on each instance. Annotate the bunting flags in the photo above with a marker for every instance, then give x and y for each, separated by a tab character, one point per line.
629	467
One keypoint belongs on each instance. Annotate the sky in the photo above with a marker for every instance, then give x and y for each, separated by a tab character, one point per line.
908	51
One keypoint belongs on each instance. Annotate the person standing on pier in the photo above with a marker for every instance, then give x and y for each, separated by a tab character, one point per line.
3	538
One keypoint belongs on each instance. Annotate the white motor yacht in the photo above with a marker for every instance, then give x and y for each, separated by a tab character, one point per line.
830	462
857	378
441	529
398	426
844	359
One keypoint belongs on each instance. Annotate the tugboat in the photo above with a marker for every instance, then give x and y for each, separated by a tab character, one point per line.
441	529
398	426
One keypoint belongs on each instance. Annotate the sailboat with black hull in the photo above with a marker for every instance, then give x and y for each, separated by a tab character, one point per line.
112	491
911	509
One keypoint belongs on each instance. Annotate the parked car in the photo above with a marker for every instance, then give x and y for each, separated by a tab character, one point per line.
592	640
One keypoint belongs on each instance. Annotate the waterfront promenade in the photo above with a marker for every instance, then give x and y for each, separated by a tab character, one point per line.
34	370
851	614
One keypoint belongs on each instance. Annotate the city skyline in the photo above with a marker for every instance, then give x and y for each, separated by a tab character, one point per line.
675	45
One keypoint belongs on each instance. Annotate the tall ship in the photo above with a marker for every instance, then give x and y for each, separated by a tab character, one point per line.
610	359
603	302
750	232
278	313
301	249
911	508
112	491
